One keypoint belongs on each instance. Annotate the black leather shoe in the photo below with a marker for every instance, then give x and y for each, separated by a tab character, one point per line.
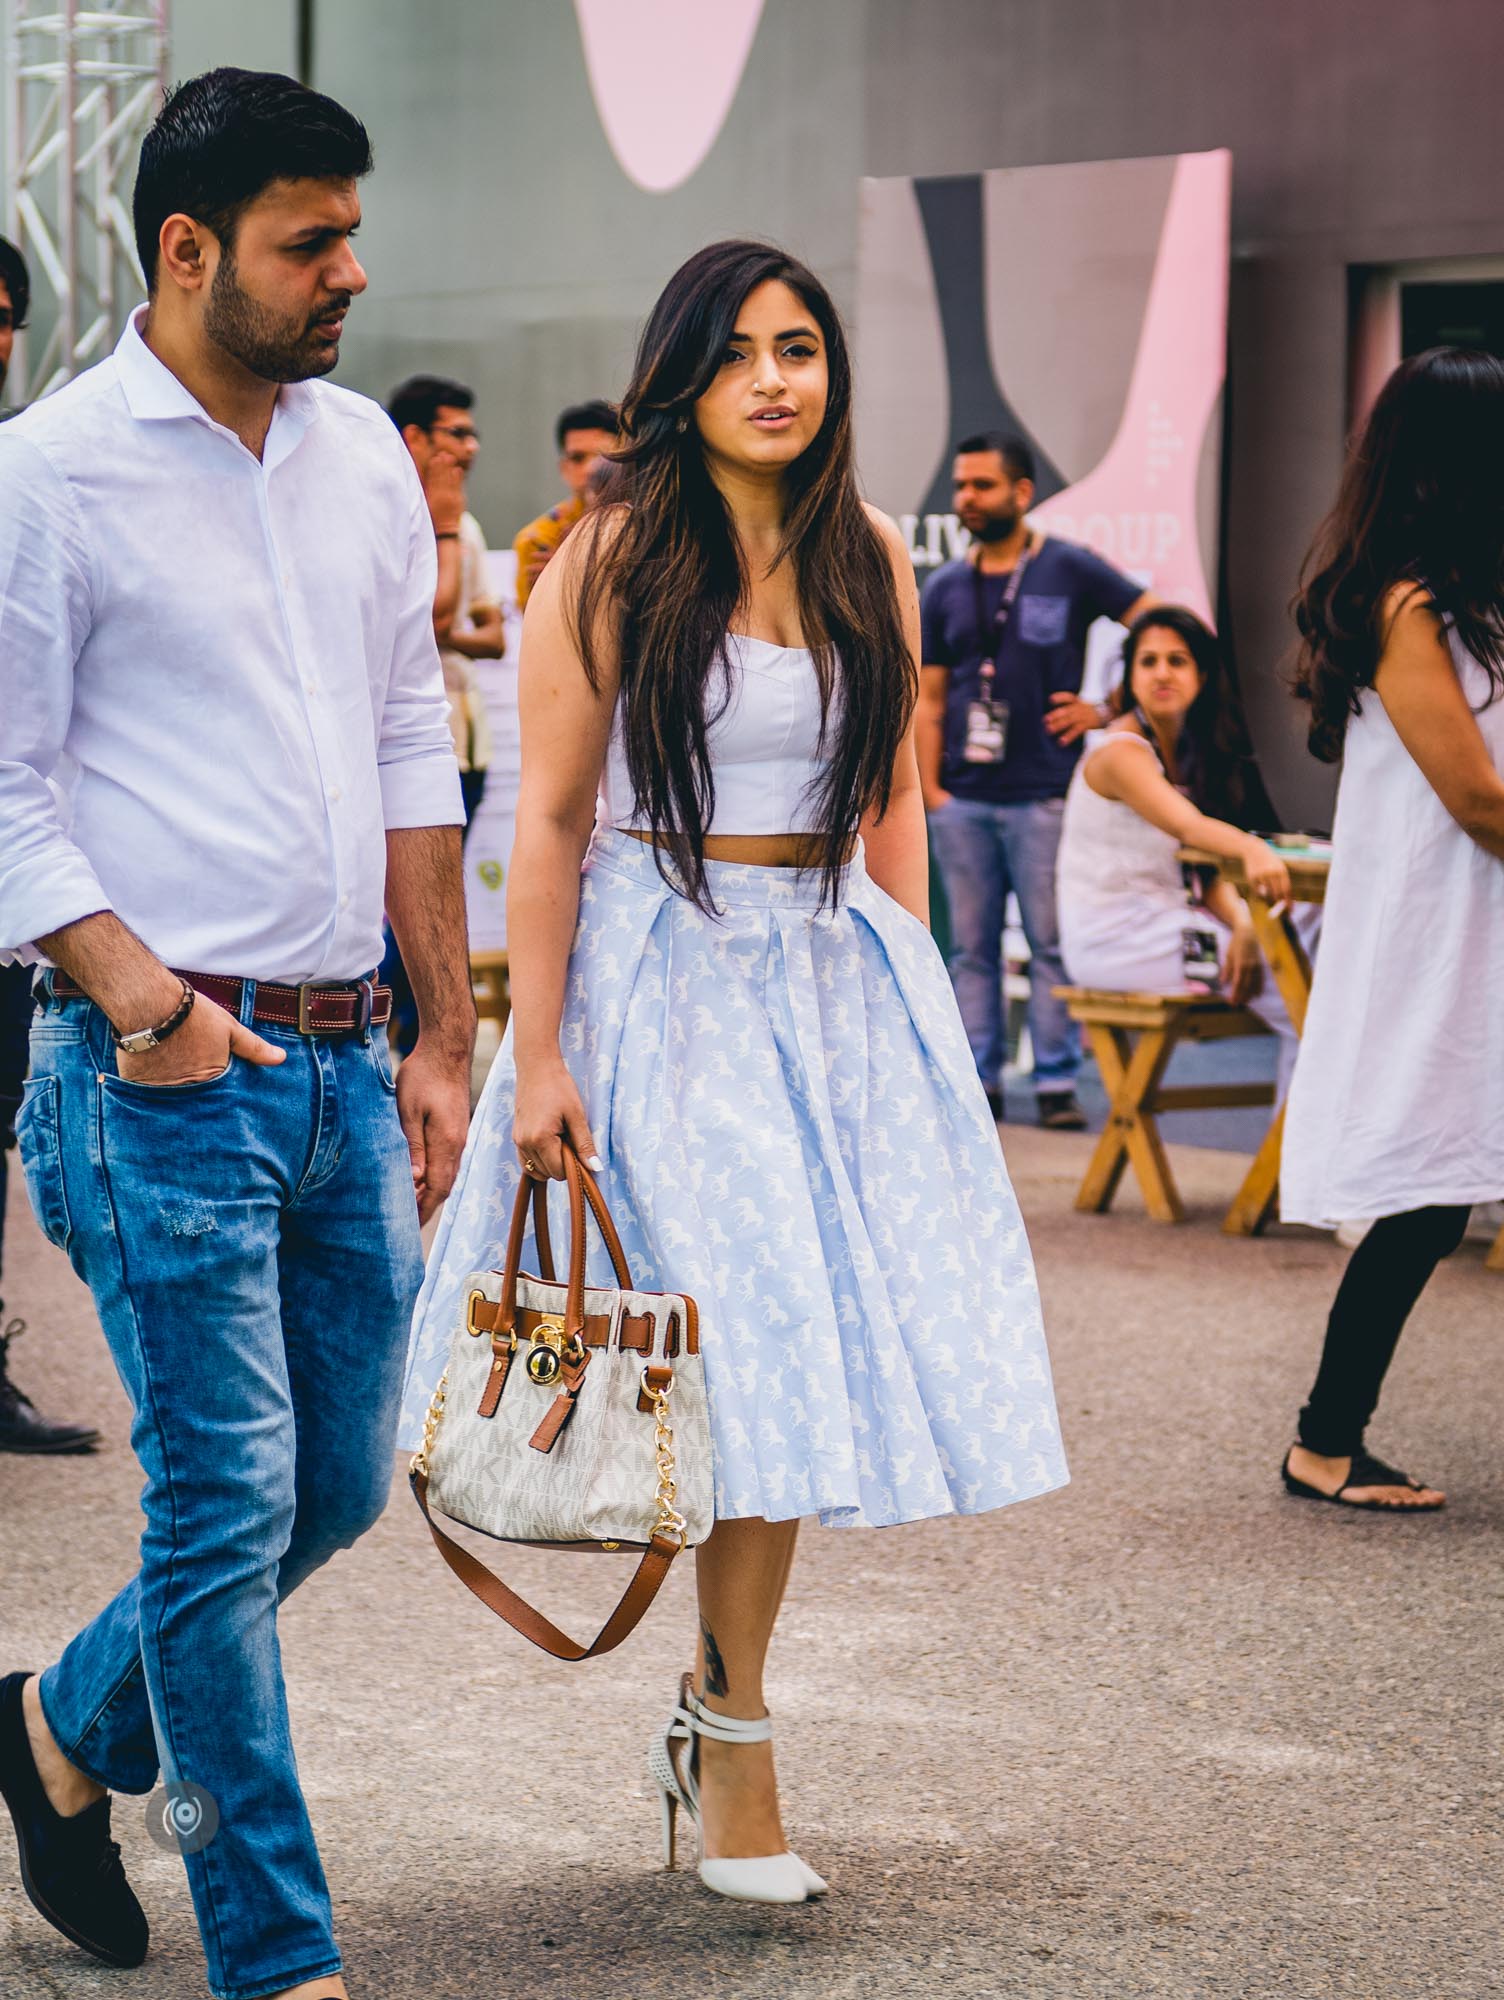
1059	1111
22	1426
70	1868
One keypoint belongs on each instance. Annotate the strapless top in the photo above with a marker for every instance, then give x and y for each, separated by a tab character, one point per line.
765	752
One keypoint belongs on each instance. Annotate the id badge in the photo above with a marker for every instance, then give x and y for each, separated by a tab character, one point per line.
1200	960
986	732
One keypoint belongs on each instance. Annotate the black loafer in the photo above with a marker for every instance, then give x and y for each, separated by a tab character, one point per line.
70	1868
1059	1111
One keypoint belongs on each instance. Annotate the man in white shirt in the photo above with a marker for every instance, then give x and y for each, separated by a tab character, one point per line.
223	744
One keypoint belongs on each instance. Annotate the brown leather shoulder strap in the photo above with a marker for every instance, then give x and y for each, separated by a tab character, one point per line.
647	1579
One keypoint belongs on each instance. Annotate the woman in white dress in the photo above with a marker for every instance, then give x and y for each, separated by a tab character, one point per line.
738	1006
1396	1112
1173	770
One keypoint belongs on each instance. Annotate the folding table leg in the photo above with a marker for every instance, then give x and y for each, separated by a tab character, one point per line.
1254	1201
1132	1075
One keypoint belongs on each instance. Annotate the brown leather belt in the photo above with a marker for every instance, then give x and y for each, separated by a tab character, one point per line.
313	1010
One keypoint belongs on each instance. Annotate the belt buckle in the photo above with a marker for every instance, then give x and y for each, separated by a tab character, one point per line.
307	1026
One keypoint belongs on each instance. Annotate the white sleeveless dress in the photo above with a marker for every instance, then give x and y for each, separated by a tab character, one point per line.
1123	909
794	1133
1398	1098
1120	894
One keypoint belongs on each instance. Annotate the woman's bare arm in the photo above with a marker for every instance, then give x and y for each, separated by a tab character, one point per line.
1121	770
565	727
1417	682
897	845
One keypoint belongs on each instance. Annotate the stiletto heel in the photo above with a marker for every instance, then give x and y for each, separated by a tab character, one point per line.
670	1827
763	1878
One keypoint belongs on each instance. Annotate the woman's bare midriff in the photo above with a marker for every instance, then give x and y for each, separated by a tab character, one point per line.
756	850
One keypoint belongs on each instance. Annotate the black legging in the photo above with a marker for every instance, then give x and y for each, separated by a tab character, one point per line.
1385	1275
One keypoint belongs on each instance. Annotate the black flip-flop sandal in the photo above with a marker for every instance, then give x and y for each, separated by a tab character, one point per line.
1366	1471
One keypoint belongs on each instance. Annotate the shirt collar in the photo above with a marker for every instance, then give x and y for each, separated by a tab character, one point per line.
152	391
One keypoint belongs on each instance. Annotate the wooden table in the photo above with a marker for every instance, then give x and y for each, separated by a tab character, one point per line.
1291	969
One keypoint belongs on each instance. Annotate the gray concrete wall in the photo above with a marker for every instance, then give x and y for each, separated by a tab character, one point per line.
505	244
1362	131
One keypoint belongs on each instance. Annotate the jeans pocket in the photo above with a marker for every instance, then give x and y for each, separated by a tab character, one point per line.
38	1131
133	1087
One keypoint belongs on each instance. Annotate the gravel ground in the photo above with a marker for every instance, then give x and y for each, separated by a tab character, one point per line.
1164	1733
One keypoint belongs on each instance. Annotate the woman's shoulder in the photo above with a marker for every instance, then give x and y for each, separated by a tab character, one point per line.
1123	730
1104	755
1407	599
889	534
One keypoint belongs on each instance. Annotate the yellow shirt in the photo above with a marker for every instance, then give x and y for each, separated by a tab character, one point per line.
542	537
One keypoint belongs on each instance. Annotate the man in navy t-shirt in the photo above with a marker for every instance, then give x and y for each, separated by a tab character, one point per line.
999	731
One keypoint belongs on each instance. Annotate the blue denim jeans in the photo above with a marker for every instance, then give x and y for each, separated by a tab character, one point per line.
252	1247
984	851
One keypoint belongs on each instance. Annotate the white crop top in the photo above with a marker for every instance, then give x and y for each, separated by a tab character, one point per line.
764	748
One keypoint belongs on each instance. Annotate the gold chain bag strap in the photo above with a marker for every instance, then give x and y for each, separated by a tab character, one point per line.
570	1416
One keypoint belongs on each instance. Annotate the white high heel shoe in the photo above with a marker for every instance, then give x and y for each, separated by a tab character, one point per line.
763	1878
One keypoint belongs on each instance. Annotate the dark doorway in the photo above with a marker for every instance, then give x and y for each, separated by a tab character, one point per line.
1469	314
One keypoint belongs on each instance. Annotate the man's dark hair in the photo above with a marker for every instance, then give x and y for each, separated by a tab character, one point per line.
17	281
221	139
595	416
419	399
1017	457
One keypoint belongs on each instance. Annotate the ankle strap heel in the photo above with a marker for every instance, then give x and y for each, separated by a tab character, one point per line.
767	1878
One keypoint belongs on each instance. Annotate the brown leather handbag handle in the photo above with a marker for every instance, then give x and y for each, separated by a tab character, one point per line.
583	1193
647	1579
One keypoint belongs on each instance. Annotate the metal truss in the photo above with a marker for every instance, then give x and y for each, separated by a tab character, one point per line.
82	85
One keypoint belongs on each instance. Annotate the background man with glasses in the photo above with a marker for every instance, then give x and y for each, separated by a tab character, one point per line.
437	420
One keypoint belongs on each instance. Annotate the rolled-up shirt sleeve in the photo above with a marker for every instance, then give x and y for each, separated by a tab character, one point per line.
46	606
420	780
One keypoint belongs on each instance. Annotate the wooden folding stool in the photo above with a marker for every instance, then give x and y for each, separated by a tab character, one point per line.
1133	1036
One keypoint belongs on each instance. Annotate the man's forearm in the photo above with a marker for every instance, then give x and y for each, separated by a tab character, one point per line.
486	640
117	971
446	598
425	900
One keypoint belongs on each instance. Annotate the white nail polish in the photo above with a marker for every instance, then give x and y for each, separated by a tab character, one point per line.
596	1164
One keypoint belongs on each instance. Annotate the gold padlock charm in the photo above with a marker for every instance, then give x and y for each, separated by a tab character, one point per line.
545	1364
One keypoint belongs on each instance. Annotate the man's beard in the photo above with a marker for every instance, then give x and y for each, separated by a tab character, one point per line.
277	349
997	527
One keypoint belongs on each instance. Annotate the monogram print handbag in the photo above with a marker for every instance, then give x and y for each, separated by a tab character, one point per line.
571	1416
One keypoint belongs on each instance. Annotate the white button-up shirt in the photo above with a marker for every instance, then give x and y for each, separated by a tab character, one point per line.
219	685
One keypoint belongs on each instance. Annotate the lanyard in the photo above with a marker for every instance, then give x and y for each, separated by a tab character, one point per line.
992	640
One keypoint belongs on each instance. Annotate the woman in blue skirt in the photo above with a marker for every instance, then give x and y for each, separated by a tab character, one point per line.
726	995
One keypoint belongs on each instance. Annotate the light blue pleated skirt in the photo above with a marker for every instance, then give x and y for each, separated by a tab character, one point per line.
794	1134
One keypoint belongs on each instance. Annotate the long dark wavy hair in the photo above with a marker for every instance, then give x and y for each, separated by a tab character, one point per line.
665	576
1215	760
1422	502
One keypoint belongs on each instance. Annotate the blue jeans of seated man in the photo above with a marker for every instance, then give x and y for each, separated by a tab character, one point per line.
252	1247
984	851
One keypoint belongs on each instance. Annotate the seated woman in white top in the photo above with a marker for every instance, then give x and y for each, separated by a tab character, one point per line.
1148	785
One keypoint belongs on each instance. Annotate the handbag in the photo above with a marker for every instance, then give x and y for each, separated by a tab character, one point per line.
570	1416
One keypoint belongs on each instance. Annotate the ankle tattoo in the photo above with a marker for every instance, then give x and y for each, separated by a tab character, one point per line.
716	1681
